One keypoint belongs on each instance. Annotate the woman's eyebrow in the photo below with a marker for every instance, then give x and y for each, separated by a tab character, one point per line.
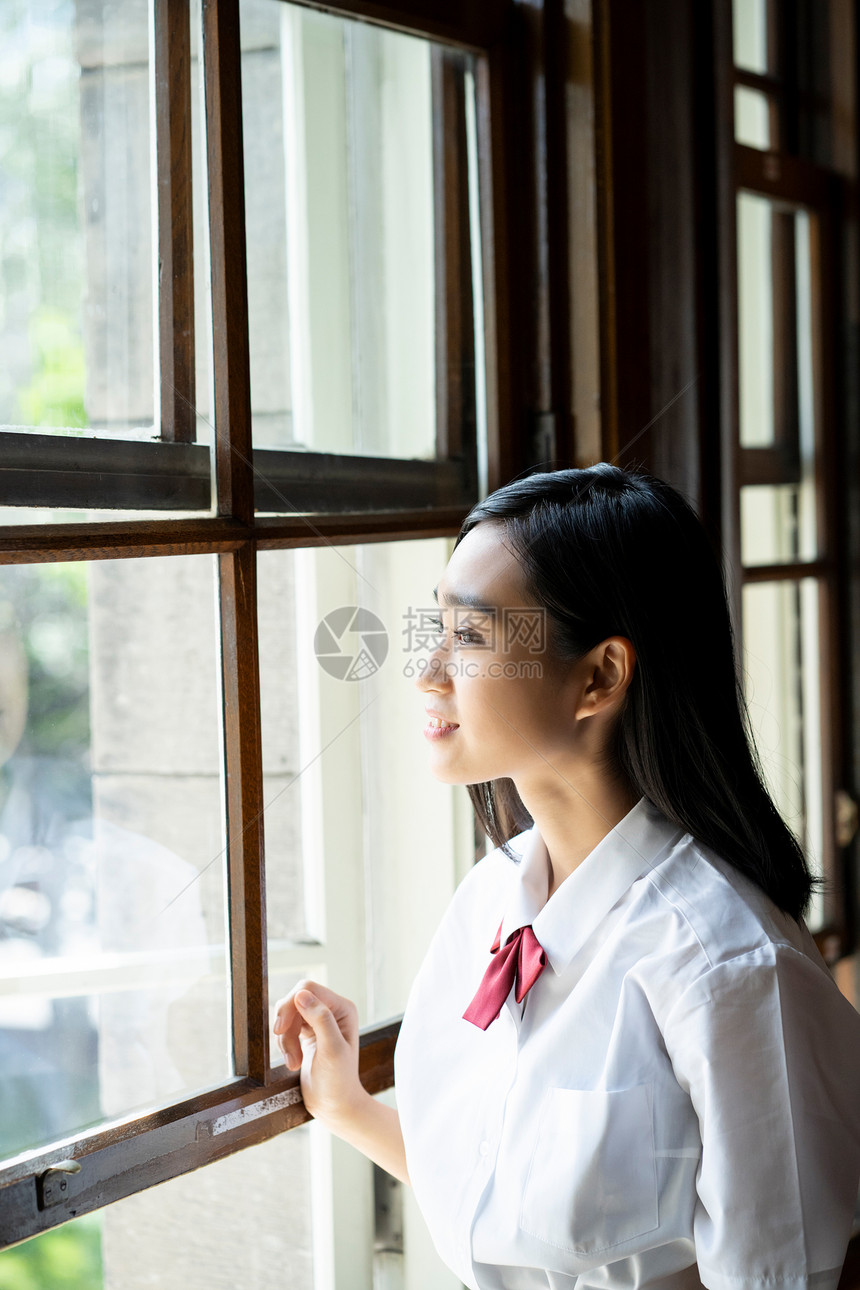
468	599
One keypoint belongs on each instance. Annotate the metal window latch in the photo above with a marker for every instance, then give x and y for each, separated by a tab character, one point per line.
52	1186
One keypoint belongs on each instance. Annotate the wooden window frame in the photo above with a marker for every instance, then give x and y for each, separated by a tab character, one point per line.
89	473
400	500
791	183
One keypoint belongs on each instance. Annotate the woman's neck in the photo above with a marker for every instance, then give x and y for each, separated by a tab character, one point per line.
572	820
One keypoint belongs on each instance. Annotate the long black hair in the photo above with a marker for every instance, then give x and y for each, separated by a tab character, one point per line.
612	552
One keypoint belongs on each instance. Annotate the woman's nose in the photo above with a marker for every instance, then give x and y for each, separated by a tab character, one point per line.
435	675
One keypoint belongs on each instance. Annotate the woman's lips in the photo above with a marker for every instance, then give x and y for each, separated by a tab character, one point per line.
435	730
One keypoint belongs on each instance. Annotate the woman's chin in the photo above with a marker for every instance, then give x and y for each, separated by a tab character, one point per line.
447	773
445	776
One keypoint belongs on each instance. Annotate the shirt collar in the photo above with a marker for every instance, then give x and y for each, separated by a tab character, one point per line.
564	923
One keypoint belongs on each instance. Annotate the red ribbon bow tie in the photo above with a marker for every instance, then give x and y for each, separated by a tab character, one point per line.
521	960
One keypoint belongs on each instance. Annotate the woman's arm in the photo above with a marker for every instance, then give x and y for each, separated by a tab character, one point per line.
318	1031
769	1051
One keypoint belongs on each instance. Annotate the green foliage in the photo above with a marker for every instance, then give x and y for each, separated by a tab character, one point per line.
55	395
49	601
41	235
67	1258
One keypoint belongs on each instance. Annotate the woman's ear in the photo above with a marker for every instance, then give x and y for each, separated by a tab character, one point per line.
610	667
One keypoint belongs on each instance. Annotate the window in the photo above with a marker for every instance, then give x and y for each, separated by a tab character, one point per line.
199	801
781	488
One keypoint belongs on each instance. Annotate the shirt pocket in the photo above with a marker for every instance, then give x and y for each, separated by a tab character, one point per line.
592	1180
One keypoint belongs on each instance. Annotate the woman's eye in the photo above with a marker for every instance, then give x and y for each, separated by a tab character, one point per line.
464	634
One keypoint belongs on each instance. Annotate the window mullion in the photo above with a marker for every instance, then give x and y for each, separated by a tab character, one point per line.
229	273
238	585
455	352
172	70
244	800
504	387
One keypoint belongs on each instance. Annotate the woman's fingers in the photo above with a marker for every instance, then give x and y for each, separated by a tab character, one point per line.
329	1080
335	1014
288	1024
321	1020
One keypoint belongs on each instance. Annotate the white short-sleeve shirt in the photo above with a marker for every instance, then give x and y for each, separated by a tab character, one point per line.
675	1103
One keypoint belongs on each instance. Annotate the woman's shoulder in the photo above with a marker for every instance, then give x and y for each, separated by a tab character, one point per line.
727	914
734	966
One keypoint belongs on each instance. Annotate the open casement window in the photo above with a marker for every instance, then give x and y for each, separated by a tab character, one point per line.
360	210
253	384
781	492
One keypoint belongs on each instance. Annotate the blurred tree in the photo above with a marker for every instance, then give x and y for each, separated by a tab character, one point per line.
41	244
68	1258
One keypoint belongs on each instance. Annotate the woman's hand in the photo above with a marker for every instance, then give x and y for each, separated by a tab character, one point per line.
318	1031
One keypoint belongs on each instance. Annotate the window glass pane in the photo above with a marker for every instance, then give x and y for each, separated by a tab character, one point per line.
805	228
77	265
755	320
363	847
778	523
749	34
53	515
295	939
421	833
341	240
113	986
782	680
203	377
75	218
362	844
752	118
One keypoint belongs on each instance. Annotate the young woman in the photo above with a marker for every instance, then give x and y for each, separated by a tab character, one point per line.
623	1062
